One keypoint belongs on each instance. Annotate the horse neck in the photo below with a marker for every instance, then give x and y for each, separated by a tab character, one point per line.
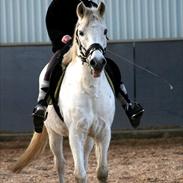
84	77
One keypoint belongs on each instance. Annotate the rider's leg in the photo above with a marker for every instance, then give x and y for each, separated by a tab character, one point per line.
39	112
133	111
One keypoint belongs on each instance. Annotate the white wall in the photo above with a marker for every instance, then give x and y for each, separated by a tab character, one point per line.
145	19
23	21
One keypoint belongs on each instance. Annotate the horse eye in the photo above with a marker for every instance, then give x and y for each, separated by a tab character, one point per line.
105	32
81	33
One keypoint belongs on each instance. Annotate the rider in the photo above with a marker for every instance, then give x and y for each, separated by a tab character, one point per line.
61	19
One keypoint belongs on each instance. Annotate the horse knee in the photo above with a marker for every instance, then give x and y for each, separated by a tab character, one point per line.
102	174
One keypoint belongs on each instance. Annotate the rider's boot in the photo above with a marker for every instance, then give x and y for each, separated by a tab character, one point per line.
39	113
134	111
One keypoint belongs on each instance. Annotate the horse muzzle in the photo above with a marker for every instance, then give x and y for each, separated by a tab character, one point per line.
97	66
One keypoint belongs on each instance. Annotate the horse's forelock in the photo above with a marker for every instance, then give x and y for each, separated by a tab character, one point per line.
90	16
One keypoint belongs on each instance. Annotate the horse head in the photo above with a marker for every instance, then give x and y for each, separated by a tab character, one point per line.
91	37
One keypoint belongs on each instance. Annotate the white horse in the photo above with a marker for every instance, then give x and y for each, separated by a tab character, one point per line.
86	102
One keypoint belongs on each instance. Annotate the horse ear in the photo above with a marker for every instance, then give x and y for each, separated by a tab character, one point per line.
101	9
80	10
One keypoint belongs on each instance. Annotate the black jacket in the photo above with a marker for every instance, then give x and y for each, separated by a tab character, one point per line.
61	19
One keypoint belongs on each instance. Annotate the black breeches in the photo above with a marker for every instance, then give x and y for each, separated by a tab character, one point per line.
114	73
55	59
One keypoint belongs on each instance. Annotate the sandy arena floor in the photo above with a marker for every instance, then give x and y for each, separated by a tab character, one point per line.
130	161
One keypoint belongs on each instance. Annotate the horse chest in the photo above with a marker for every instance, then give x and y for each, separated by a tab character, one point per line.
86	102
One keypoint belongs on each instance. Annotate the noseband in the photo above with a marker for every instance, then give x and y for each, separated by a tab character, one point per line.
85	53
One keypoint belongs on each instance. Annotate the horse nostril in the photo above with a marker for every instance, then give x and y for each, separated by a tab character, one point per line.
93	63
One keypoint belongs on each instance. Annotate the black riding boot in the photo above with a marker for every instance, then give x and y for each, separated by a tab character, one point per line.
134	111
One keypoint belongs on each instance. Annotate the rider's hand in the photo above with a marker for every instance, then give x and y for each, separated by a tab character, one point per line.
65	39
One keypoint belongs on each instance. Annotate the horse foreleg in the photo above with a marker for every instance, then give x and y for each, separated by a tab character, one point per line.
76	140
56	146
87	150
101	150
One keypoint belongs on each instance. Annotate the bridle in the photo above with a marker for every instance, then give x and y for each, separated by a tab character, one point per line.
85	53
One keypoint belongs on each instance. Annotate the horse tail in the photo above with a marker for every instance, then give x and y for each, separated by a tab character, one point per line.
35	147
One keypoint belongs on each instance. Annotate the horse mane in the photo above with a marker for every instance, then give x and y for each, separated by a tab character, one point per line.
71	54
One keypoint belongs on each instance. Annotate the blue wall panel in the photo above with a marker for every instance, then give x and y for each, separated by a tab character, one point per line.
19	73
20	68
